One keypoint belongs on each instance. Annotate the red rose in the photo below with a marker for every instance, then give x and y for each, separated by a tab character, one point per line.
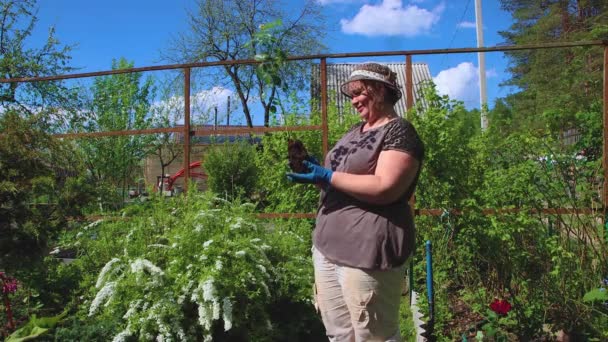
500	306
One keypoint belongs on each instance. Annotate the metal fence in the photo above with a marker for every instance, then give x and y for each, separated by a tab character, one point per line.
188	130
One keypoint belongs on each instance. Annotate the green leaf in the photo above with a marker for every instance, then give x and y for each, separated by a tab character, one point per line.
596	295
35	327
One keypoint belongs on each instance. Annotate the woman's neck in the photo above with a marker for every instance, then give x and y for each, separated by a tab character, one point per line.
378	121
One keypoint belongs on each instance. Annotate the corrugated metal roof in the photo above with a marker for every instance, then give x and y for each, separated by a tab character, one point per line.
337	73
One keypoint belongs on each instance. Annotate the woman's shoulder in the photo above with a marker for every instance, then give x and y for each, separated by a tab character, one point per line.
401	126
402	135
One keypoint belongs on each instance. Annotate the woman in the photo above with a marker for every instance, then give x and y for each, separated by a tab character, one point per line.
365	229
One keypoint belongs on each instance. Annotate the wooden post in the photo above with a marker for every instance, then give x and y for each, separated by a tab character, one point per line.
605	135
409	104
409	84
324	124
186	128
228	112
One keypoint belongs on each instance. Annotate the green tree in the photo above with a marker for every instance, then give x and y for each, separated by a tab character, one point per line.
120	102
555	84
222	30
17	59
40	185
165	146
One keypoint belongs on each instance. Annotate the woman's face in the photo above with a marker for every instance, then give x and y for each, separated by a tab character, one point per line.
362	100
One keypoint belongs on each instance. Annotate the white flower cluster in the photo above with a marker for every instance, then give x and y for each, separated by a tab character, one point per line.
158	245
163	329
186	289
227	314
263	269
219	199
238	224
133	307
122	336
153	322
141	265
210	307
105	293
93	224
201	214
101	279
248	205
208	290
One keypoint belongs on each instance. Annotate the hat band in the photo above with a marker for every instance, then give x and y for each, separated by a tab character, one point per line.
368	74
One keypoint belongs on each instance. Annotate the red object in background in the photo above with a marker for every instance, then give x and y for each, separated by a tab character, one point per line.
171	179
500	306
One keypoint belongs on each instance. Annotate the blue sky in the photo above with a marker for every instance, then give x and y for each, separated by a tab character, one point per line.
138	29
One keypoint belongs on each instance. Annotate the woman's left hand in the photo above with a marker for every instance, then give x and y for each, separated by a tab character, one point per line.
316	174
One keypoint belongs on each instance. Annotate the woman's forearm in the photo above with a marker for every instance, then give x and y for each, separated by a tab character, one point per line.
367	188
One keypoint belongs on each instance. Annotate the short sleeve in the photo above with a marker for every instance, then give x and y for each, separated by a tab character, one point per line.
402	136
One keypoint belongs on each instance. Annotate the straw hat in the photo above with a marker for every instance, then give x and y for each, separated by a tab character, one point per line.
373	72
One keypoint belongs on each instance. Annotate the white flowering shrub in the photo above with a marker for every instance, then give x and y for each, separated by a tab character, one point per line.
195	268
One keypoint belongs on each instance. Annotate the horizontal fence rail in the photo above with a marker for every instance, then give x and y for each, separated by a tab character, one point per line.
310	57
418	212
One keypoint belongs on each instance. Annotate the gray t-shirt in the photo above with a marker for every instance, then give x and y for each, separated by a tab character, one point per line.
354	233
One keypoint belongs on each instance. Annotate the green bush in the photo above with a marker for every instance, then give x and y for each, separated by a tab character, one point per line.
541	262
36	196
231	170
194	268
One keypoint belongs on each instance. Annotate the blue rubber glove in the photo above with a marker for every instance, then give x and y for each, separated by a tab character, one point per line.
316	174
312	159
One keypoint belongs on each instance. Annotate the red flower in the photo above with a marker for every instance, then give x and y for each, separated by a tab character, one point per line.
501	307
9	284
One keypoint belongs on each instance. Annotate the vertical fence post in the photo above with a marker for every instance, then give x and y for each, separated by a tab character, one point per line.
429	280
409	104
409	84
325	133
186	128
605	145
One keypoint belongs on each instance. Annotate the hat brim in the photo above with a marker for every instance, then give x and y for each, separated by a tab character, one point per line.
389	86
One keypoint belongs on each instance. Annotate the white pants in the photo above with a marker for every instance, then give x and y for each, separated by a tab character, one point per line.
358	305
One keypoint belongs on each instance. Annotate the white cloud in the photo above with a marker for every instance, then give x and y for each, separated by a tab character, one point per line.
460	82
467	24
202	106
391	18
